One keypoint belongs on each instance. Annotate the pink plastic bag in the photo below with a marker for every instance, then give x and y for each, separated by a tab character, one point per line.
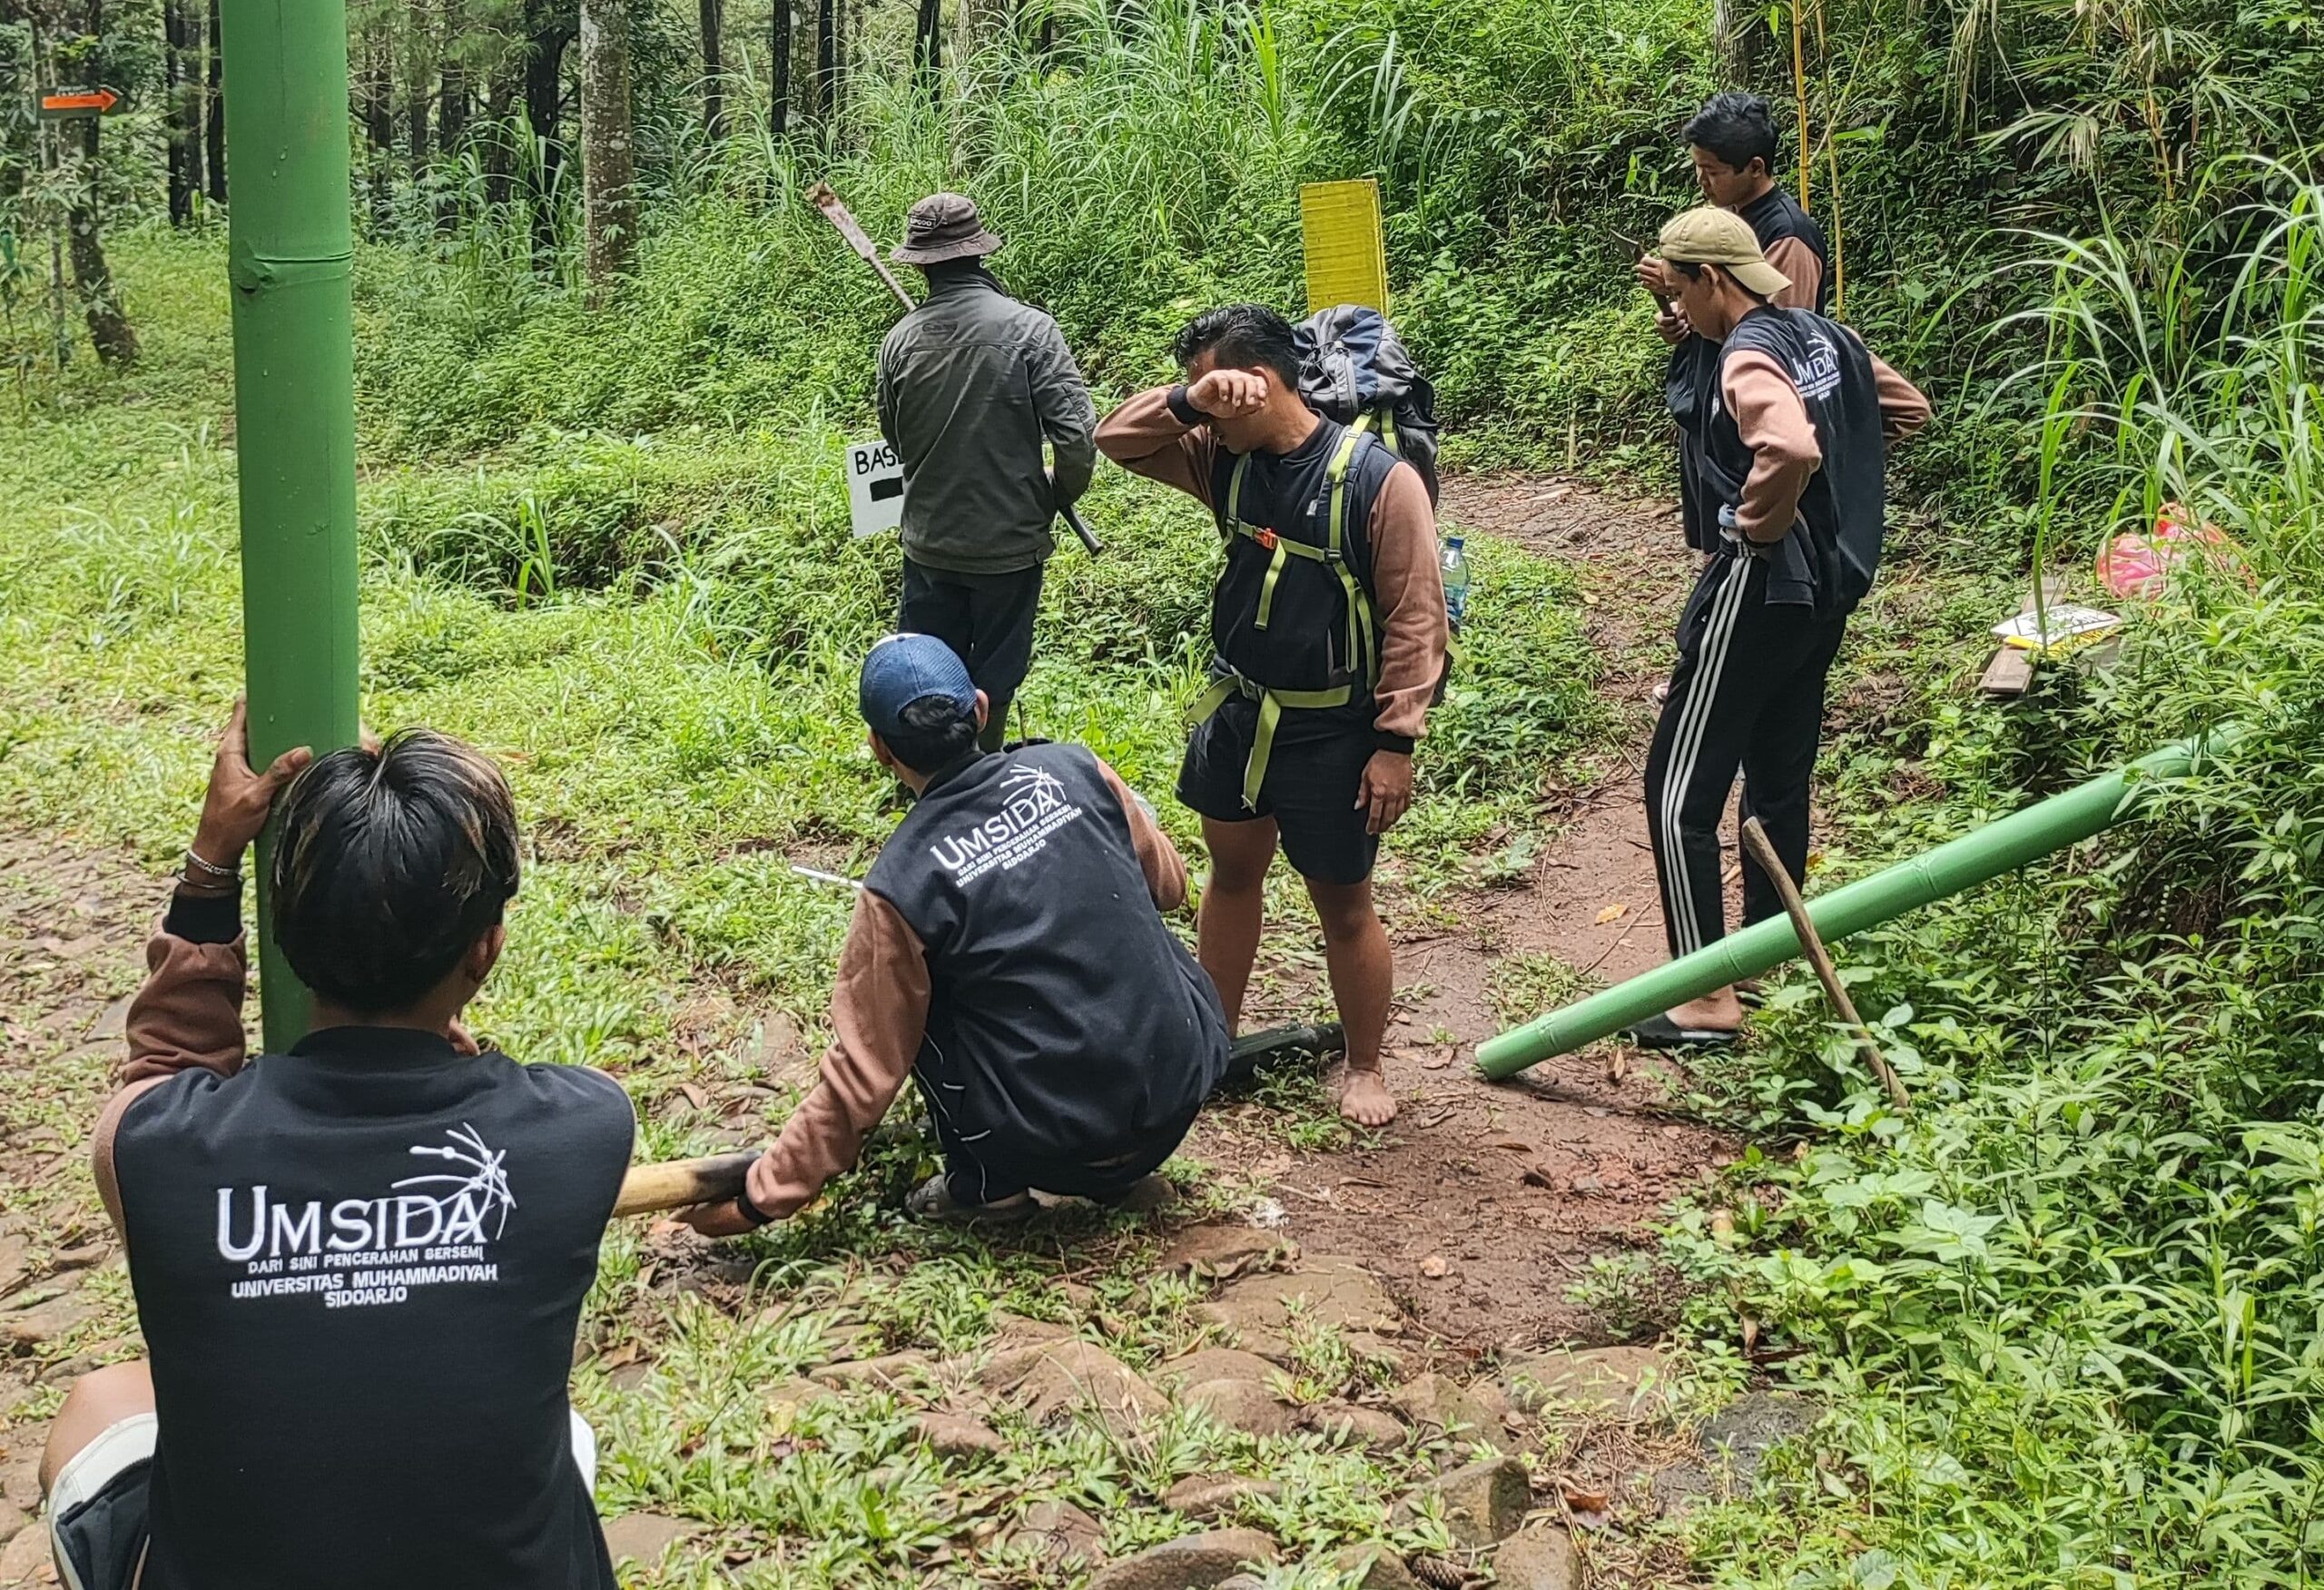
2136	565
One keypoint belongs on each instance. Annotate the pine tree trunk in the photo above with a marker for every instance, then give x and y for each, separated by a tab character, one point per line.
713	69
1736	32
419	91
451	115
928	49
109	327
827	59
499	98
608	169
214	135
778	73
452	91
379	125
184	180
544	94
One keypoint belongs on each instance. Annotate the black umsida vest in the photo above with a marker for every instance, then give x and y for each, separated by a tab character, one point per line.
1828	559
1065	1020
1772	217
1294	610
358	1267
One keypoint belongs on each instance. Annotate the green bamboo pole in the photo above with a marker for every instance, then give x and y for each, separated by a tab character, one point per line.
290	250
1961	863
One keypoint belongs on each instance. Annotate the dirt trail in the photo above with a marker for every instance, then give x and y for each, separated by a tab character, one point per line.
1515	1188
1480	1208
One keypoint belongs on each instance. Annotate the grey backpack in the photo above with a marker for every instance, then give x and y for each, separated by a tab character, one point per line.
1354	369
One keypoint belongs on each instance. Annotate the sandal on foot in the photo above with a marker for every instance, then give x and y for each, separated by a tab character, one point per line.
1749	994
1662	1033
932	1199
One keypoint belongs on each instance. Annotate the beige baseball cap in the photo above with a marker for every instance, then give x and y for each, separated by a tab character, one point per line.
1712	236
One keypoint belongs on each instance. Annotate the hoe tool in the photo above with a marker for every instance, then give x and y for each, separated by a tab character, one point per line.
681	1183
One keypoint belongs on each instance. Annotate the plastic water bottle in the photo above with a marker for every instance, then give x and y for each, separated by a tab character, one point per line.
1456	582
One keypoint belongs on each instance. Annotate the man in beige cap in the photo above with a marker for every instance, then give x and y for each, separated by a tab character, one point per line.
1798	419
971	384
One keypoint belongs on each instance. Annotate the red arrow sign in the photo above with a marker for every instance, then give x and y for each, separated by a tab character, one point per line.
79	102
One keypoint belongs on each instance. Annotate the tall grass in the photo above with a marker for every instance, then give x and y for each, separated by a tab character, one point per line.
2071	1308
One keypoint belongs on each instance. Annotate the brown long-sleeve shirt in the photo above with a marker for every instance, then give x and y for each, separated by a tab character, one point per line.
187	1015
1785	455
1145	438
1801	268
879	1016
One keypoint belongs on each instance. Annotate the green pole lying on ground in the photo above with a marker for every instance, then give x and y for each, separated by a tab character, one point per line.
289	260
1959	864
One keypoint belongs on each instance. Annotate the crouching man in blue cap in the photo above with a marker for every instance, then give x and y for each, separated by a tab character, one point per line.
1008	952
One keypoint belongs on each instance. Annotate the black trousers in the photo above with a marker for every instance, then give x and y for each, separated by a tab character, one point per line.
1748	693
979	1168
988	622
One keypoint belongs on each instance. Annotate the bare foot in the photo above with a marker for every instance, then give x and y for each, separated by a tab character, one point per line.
1716	1012
1365	1100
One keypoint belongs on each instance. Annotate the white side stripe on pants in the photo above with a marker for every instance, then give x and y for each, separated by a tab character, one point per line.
1685	746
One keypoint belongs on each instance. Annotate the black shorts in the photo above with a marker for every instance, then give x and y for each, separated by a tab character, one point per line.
1310	789
99	1509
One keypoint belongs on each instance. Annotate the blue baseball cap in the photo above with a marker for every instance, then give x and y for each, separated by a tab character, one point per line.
905	668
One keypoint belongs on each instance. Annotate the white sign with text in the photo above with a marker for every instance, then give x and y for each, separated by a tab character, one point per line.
875	487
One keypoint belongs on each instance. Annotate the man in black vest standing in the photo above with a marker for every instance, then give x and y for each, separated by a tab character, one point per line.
1329	632
1007	951
359	1265
1798	419
1733	143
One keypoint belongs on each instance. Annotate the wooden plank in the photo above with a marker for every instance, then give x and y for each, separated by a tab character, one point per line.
2009	674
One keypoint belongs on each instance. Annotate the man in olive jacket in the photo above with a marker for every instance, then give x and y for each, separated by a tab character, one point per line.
972	383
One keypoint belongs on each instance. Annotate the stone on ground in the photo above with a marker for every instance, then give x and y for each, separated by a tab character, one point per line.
1051	1380
785	1398
1345	1421
1381	1568
1732	1444
950	1436
1191	1562
1220	1251
1331	1292
1215	1363
1060	1533
906	1371
1488	1394
1242	1405
1208	1495
1541	1558
42	1323
1482	1504
1618	1382
1370	1346
643	1537
1434	1402
20	1483
28	1560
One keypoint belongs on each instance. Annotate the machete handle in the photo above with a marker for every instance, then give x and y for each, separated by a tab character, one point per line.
1080	526
681	1183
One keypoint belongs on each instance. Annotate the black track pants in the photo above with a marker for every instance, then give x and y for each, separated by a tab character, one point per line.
1748	693
988	622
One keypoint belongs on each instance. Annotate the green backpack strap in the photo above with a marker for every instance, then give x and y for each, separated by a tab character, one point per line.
1363	627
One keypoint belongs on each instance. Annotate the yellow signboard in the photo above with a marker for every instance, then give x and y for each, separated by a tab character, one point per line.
1347	254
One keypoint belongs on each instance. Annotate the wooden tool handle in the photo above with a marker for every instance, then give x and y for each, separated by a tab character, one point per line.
1763	851
681	1184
